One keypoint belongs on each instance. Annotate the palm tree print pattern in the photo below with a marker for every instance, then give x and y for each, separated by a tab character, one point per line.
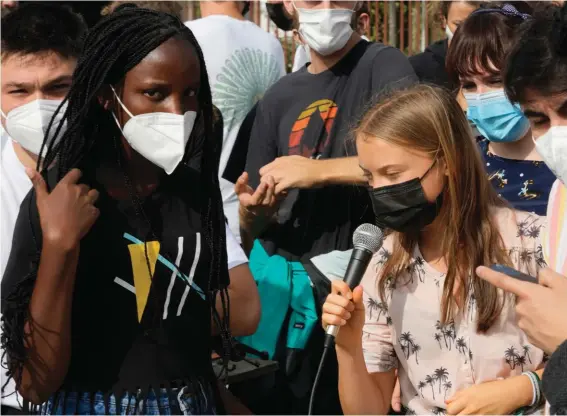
384	257
515	359
417	269
446	333
409	346
421	386
439	376
374	306
463	349
447	386
529	228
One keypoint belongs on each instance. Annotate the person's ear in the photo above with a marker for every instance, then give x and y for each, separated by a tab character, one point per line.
364	24
443	166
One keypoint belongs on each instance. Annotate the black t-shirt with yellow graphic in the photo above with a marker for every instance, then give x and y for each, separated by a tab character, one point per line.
141	312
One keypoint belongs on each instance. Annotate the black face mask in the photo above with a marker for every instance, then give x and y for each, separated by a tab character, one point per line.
278	16
403	207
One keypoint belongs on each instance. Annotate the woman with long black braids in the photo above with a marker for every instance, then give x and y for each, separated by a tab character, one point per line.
119	250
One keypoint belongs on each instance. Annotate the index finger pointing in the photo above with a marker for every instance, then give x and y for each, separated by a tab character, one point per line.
72	177
504	282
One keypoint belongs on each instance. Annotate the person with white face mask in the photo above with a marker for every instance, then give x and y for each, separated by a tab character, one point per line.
40	46
360	23
301	195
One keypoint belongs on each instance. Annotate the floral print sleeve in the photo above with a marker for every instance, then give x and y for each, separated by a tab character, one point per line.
377	335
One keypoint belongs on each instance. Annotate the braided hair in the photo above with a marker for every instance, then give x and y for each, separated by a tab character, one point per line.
112	48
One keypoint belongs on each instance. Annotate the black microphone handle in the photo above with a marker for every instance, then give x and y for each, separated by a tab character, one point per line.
356	268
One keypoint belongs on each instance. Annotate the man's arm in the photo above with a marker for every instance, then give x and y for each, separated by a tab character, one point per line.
302	172
342	170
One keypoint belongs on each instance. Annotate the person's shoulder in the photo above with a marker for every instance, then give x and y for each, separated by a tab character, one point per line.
435	50
390	67
379	49
196	24
424	62
283	87
261	39
421	58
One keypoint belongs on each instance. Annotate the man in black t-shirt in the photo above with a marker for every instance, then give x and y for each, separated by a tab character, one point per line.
299	196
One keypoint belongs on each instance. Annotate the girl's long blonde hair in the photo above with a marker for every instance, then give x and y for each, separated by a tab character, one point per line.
429	119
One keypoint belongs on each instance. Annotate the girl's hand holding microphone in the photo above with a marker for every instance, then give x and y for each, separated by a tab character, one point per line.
345	308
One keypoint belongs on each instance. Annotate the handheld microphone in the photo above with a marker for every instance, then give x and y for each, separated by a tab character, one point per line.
367	240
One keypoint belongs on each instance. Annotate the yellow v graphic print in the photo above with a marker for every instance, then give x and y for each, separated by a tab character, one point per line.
144	257
143	276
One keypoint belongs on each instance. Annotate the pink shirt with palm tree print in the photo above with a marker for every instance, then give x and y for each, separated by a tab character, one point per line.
435	361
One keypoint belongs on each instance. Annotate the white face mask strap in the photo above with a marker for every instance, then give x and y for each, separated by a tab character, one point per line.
121	103
3	115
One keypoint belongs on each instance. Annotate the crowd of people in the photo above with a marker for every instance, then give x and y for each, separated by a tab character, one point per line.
169	193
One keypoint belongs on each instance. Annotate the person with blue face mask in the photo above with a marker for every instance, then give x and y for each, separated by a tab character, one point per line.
475	59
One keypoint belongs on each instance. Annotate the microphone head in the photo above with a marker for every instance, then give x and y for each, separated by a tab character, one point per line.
368	237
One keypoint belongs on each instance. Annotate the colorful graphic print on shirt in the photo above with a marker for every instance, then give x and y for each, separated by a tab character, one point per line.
324	111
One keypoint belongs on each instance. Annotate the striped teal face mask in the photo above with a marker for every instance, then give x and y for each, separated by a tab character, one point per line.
495	117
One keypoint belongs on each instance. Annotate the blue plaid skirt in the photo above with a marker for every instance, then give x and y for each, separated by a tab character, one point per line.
197	400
